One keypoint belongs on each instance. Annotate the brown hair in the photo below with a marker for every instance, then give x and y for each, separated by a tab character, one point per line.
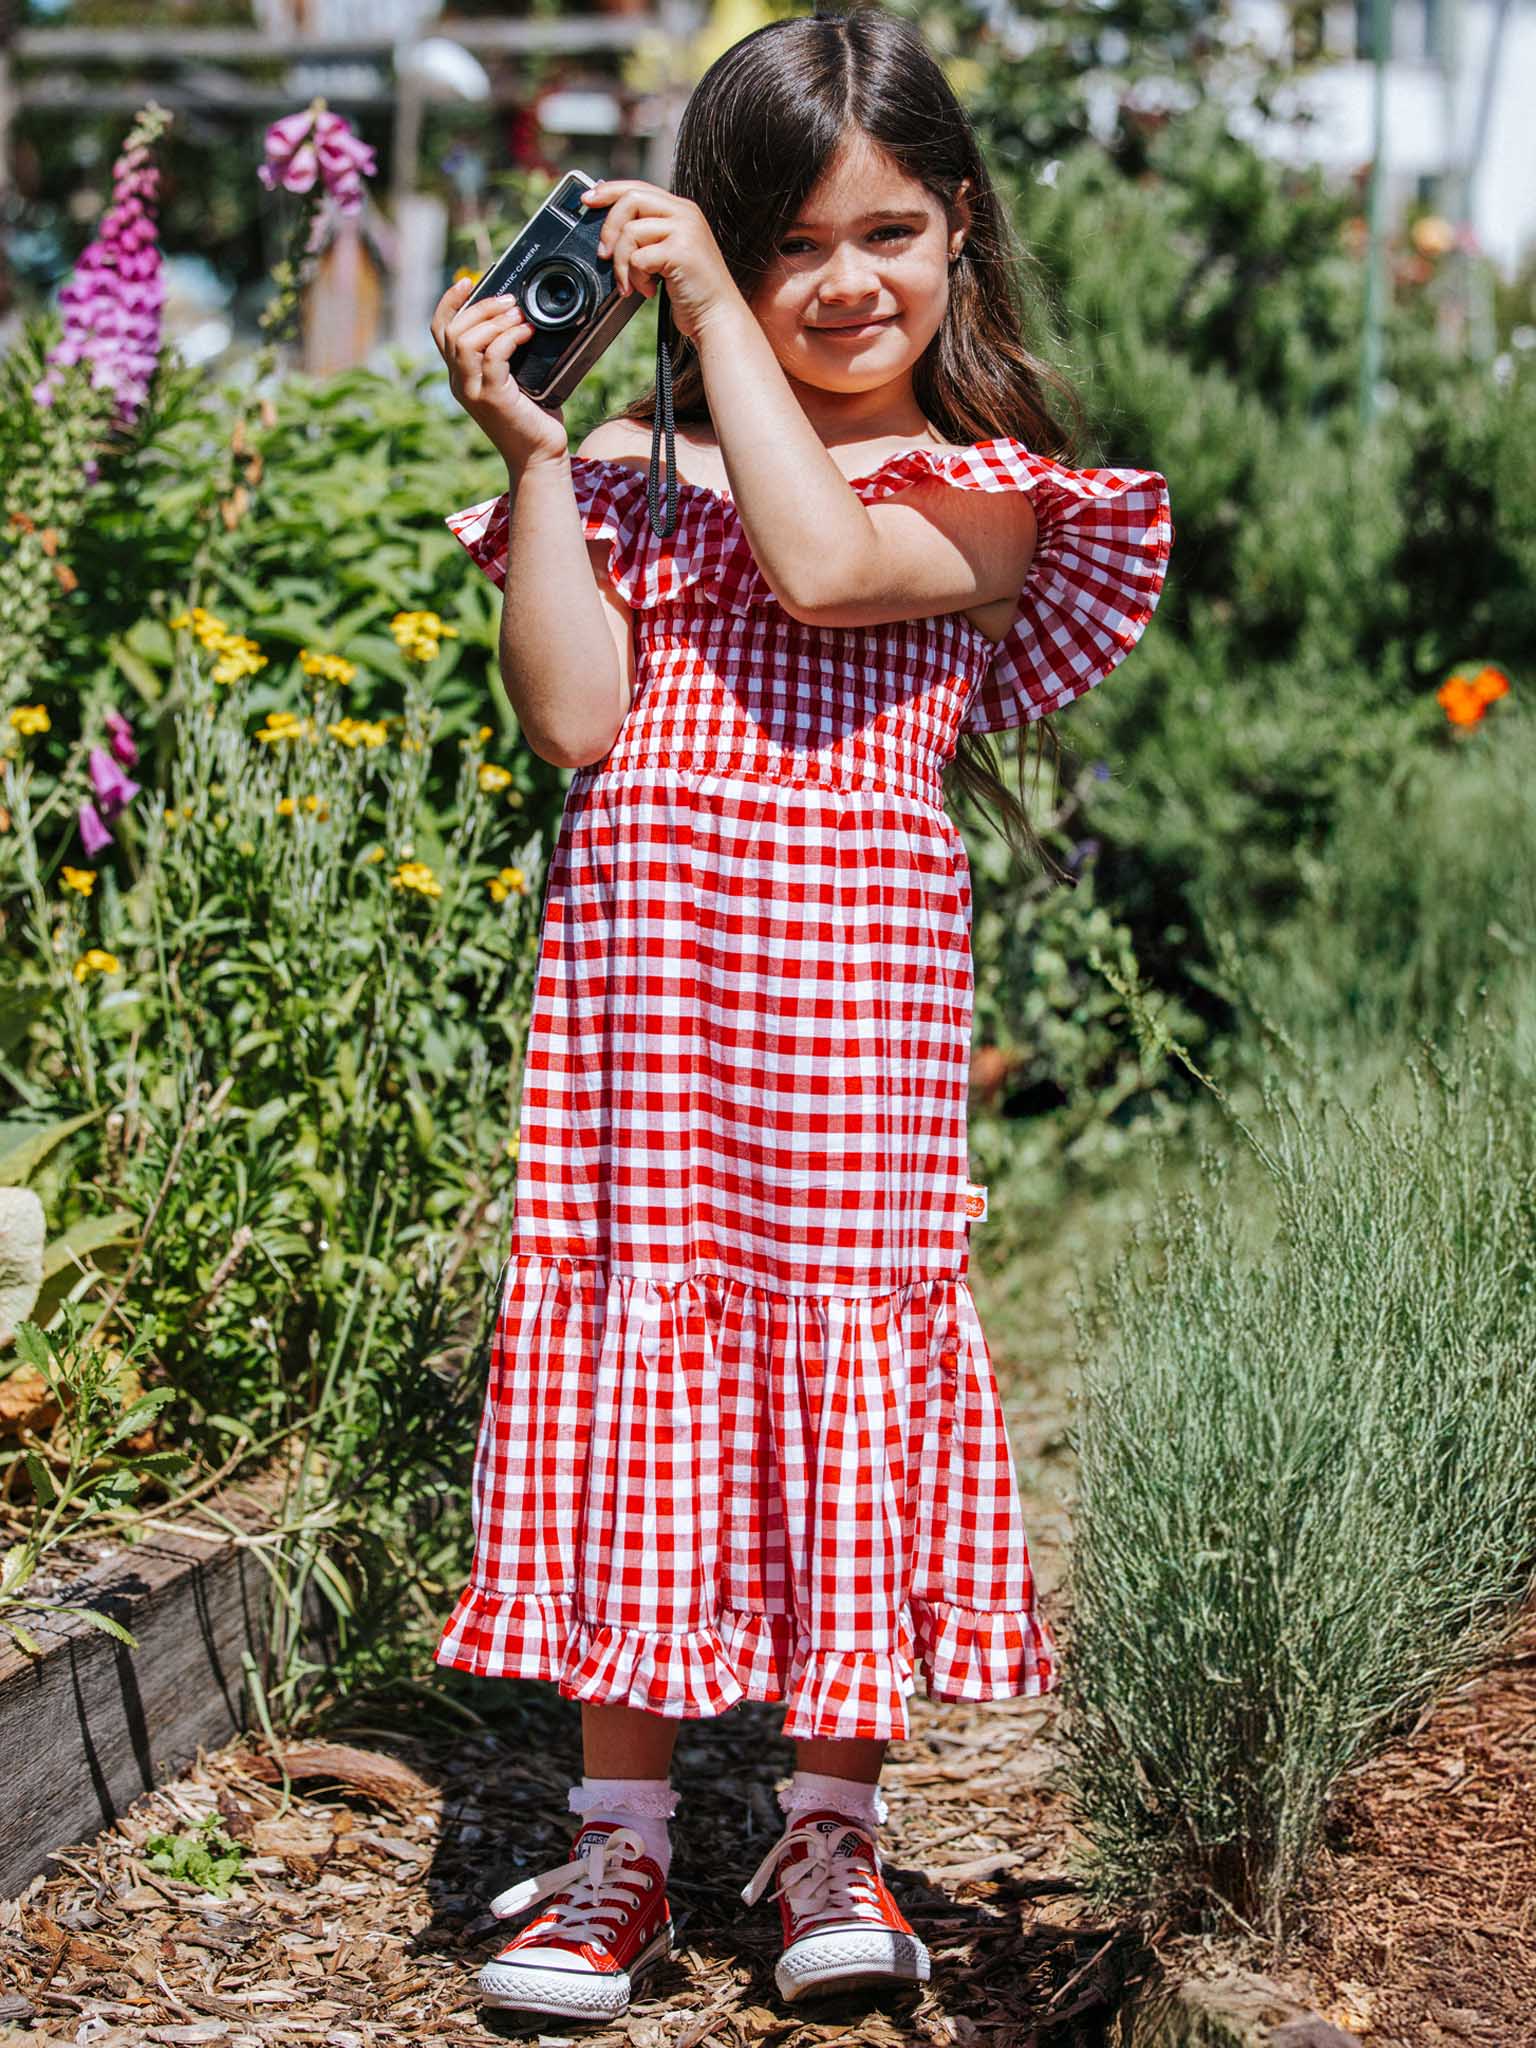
759	129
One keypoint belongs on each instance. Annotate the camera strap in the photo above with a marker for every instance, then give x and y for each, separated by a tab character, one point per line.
662	421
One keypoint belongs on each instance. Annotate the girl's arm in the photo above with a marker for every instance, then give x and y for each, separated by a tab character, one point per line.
566	653
828	558
564	646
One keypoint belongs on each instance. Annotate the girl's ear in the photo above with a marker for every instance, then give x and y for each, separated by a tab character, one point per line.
959	216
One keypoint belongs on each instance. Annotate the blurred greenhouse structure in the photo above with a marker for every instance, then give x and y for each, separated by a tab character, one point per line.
463	103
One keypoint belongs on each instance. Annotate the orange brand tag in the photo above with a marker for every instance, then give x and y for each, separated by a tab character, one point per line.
975	1201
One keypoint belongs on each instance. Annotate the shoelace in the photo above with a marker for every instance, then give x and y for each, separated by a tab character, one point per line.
600	1890
819	1885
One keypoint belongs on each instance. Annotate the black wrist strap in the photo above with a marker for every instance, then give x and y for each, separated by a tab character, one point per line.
662	422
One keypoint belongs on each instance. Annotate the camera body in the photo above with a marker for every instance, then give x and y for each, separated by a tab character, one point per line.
564	289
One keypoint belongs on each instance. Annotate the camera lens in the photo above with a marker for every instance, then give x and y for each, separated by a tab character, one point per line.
556	293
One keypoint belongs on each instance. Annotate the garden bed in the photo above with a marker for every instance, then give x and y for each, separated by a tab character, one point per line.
100	1722
1419	1916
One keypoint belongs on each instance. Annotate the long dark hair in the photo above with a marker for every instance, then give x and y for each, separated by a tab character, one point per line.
758	130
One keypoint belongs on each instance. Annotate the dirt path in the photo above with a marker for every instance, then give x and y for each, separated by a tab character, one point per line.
361	1921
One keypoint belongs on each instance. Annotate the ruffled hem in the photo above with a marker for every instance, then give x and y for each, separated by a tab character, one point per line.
693	1491
836	1694
1094	581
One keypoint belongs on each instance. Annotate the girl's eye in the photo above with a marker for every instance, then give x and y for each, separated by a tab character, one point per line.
793	248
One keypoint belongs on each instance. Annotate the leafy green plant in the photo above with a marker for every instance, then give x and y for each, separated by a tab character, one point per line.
203	1855
1306	1496
88	1467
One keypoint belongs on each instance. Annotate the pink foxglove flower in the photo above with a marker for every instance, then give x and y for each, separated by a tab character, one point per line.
125	747
318	144
111	304
94	836
113	788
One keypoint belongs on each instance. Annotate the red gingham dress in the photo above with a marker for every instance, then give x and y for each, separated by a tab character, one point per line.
742	1435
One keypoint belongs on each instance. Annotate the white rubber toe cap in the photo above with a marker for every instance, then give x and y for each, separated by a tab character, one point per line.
565	1986
846	1958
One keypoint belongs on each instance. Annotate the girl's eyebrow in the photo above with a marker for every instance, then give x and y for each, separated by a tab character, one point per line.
877	213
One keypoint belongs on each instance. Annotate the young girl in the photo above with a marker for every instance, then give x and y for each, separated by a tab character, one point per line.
742	1437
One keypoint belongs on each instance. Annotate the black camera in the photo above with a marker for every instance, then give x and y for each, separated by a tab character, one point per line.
564	289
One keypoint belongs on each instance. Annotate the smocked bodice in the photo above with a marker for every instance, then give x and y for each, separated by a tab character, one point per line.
727	682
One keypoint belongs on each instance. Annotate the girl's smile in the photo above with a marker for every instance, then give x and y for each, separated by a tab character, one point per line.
854	330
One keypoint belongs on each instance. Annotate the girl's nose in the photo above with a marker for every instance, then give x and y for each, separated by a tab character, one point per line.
848	277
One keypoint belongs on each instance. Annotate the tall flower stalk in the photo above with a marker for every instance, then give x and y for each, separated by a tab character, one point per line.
89	388
316	156
112	301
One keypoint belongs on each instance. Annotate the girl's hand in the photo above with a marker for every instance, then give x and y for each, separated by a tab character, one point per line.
649	233
475	342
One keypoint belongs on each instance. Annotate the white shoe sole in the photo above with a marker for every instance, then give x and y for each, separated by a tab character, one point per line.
568	1994
850	1961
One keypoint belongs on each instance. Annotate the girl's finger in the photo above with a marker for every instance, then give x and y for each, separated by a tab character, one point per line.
480	332
449	304
646	240
483	309
511	338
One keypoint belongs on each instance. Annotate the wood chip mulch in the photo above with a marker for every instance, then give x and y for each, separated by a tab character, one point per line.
1421	1912
360	1921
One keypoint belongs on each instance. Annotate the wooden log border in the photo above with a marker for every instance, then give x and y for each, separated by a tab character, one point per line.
92	1725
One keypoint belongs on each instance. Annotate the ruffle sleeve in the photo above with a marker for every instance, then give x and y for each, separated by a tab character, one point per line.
1100	560
1101	555
707	550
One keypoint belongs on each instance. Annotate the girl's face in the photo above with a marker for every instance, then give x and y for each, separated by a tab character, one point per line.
858	284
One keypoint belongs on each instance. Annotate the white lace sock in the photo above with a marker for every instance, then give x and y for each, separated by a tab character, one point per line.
847	1796
644	1804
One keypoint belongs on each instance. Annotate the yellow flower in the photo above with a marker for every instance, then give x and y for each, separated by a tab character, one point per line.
511	881
81	879
202	625
285	807
417	634
335	668
493	778
463	271
173	818
513	1145
483	734
30	718
359	732
410	746
96	962
415	874
244	846
286	725
373	856
237	657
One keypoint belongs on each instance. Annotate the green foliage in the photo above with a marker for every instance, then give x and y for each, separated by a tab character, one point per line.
203	1855
92	1469
1305	1488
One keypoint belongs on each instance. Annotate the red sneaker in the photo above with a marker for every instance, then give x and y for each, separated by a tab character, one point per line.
842	1928
608	1921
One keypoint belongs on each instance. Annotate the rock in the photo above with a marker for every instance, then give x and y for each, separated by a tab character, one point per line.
22	1233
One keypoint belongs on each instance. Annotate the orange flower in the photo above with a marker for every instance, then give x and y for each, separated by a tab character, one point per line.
1463	704
1466	698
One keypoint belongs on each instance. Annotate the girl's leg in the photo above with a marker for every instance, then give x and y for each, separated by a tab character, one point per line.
860	1761
627	1762
625	1742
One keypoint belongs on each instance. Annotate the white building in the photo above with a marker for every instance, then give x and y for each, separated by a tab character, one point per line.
1460	86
